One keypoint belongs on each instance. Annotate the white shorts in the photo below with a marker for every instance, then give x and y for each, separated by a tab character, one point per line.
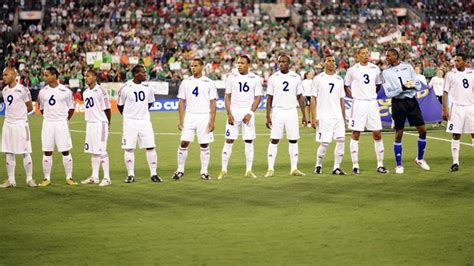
56	133
137	130
365	113
461	119
199	124
285	120
16	138
96	138
329	129
248	130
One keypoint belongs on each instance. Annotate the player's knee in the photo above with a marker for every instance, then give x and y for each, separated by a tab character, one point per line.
150	149
204	145
324	144
65	153
248	141
230	141
129	150
48	153
274	141
293	141
184	144
377	135
355	135
340	140
456	136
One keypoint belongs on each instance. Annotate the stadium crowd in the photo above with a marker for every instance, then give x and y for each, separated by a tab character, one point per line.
165	38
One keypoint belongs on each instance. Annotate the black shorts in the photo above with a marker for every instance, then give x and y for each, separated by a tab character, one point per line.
307	100
406	108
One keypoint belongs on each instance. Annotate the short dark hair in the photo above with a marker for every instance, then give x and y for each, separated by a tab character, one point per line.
285	55
395	51
53	71
246	57
92	71
329	55
136	69
462	55
305	76
199	60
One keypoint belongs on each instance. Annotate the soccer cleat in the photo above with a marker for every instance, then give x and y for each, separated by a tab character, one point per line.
71	182
382	170
455	167
45	183
222	174
105	182
355	171
297	172
90	180
156	179
399	169
318	170
422	164
250	174
205	177
269	173
31	183
338	171
130	179
177	175
7	184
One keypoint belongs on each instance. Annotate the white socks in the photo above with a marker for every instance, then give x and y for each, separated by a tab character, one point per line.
455	147
28	165
293	151
67	162
338	152
130	162
271	155
249	151
379	152
226	152
95	161
205	158
105	165
354	147
152	159
323	147
11	163
182	155
47	164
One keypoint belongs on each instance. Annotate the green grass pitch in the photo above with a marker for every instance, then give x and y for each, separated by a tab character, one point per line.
419	218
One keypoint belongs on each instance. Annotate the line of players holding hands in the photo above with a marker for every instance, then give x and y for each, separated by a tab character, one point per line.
197	110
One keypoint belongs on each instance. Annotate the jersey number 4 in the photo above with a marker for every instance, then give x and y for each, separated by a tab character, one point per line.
195	91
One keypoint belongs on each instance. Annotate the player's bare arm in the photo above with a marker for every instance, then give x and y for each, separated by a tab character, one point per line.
29	106
181	111
343	108
212	119
230	117
348	91
254	107
314	117
108	114
269	110
445	106
120	108
70	113
300	98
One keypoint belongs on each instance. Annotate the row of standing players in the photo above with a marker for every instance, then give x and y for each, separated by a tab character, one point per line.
197	109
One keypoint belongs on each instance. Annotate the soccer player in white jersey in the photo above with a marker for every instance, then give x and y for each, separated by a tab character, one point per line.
284	94
242	97
459	86
134	99
328	114
197	112
362	82
97	115
57	106
307	81
16	132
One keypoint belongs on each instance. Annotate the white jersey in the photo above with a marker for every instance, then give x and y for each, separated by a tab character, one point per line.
96	102
243	88
135	99
460	86
15	101
197	92
55	102
437	84
363	81
307	87
284	88
328	89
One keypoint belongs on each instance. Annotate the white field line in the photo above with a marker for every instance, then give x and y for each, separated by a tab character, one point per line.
440	139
